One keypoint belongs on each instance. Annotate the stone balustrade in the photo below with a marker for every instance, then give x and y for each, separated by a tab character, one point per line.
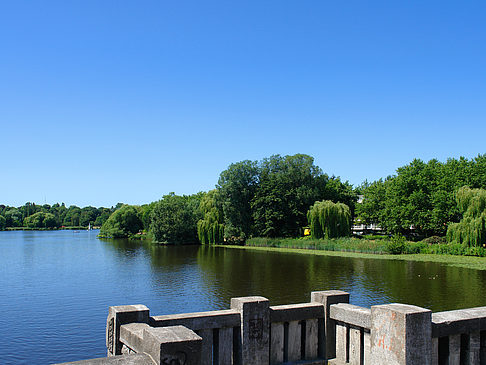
353	326
459	336
326	330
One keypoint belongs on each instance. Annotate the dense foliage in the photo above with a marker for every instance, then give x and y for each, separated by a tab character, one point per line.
58	215
40	220
274	197
420	197
210	229
174	219
471	230
237	185
271	198
124	222
329	220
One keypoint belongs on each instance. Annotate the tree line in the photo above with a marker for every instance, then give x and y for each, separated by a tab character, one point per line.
421	198
280	195
267	198
32	215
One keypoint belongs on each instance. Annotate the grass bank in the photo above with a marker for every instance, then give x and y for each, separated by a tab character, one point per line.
359	248
371	244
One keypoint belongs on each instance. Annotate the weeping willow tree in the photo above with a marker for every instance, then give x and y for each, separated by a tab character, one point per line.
329	220
471	230
210	229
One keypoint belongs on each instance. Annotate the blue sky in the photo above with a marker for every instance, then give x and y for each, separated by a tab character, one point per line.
124	101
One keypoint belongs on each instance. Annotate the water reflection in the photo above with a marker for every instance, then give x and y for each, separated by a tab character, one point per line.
57	286
222	273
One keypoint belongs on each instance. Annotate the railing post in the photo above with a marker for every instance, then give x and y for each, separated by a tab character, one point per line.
255	330
174	345
327	330
119	315
401	335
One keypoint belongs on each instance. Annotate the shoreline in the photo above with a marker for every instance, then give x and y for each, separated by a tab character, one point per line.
468	262
77	228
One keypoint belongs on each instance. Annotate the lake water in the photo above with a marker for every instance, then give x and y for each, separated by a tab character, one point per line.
56	287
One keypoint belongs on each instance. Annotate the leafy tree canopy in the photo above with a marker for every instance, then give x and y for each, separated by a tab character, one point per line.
123	222
41	220
421	195
210	229
471	230
329	220
174	219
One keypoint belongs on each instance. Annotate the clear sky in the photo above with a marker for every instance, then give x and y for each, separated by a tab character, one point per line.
124	101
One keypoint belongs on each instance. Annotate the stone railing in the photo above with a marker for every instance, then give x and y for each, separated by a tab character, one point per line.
459	336
326	330
353	326
251	332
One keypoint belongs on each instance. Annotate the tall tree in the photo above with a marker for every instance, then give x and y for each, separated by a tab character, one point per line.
329	220
174	219
287	187
471	230
237	185
210	229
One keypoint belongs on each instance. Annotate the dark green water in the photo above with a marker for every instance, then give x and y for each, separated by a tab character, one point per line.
56	286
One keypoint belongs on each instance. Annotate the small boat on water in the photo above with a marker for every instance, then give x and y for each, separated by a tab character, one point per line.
89	227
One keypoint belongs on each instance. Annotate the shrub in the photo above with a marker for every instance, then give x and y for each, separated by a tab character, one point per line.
396	245
434	240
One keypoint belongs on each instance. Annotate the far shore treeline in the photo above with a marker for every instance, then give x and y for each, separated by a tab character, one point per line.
35	216
280	196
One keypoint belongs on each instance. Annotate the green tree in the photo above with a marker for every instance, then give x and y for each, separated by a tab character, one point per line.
88	215
371	208
13	217
122	223
329	220
421	195
28	209
287	187
471	230
103	216
237	185
50	221
174	219
3	222
147	214
40	220
210	229
71	219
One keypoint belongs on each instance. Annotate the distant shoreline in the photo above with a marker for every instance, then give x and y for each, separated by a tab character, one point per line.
76	228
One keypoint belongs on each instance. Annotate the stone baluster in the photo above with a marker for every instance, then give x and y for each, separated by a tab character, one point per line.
401	335
118	316
327	331
255	330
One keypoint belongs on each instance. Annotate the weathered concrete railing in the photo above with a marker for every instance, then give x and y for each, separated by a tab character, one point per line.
251	332
459	336
353	325
217	329
328	328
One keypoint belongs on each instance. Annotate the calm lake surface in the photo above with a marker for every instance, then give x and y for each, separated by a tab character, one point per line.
56	286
